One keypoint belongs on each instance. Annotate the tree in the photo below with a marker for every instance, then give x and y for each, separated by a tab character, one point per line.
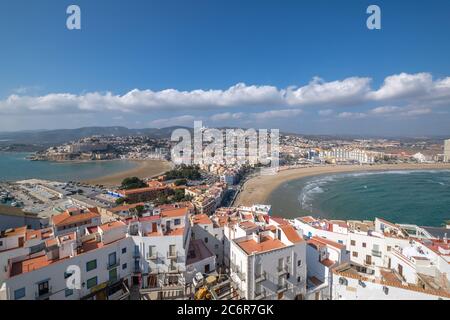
119	201
132	183
181	182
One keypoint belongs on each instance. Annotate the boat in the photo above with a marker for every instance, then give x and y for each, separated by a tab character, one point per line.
14	204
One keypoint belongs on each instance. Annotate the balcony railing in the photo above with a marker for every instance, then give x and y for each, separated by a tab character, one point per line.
376	253
172	254
152	256
261	277
282	270
238	272
260	295
281	288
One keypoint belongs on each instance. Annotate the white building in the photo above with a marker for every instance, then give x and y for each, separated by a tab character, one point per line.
269	264
447	150
153	253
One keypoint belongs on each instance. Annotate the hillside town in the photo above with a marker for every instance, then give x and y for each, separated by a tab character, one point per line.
176	236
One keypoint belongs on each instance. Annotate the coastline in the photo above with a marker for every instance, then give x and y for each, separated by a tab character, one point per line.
259	188
143	169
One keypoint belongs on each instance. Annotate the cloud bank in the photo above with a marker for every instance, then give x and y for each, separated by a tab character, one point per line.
402	94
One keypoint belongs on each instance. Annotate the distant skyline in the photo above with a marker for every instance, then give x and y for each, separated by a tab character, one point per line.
310	67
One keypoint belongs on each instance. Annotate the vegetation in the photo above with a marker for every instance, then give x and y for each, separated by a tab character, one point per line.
184	172
173	196
120	201
180	182
132	183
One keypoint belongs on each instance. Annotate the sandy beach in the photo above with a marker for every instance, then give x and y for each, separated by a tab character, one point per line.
143	169
258	189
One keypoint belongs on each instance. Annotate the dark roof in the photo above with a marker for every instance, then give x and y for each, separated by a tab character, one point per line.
438	232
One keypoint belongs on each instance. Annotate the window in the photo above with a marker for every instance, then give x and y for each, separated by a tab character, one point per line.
355	254
112	259
68	292
340	241
299	279
19	293
177	222
216	246
68	274
388	248
206	240
299	263
91	265
364	244
92	282
352	242
1	243
124	250
124	266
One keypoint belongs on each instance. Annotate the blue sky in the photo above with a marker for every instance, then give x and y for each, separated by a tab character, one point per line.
304	66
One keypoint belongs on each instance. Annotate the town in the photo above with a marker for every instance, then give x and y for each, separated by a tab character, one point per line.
180	236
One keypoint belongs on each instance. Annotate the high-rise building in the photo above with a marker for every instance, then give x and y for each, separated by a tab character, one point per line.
447	150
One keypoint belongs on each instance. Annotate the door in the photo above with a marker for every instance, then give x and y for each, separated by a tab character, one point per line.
369	260
168	225
154	227
400	269
207	268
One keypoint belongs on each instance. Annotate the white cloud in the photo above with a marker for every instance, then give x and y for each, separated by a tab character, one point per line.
186	120
403	90
227	116
403	85
352	115
272	114
349	90
384	110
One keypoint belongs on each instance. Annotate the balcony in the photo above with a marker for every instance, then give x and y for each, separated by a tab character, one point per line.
172	255
113	265
282	270
376	253
260	295
261	277
281	288
239	273
173	269
153	256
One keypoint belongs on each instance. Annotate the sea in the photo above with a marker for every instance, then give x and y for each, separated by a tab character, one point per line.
15	166
406	196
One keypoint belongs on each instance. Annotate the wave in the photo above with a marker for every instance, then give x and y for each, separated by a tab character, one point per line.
317	185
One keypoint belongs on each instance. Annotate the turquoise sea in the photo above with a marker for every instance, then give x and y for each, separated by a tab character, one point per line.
14	166
417	197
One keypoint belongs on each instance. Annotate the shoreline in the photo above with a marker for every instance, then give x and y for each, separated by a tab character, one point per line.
258	189
143	169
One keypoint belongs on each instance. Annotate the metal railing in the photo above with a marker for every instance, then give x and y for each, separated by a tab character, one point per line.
153	256
281	288
172	255
376	253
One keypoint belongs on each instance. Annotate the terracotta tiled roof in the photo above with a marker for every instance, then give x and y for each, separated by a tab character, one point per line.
291	233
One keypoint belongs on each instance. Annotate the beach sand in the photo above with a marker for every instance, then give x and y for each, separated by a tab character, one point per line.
257	189
144	169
